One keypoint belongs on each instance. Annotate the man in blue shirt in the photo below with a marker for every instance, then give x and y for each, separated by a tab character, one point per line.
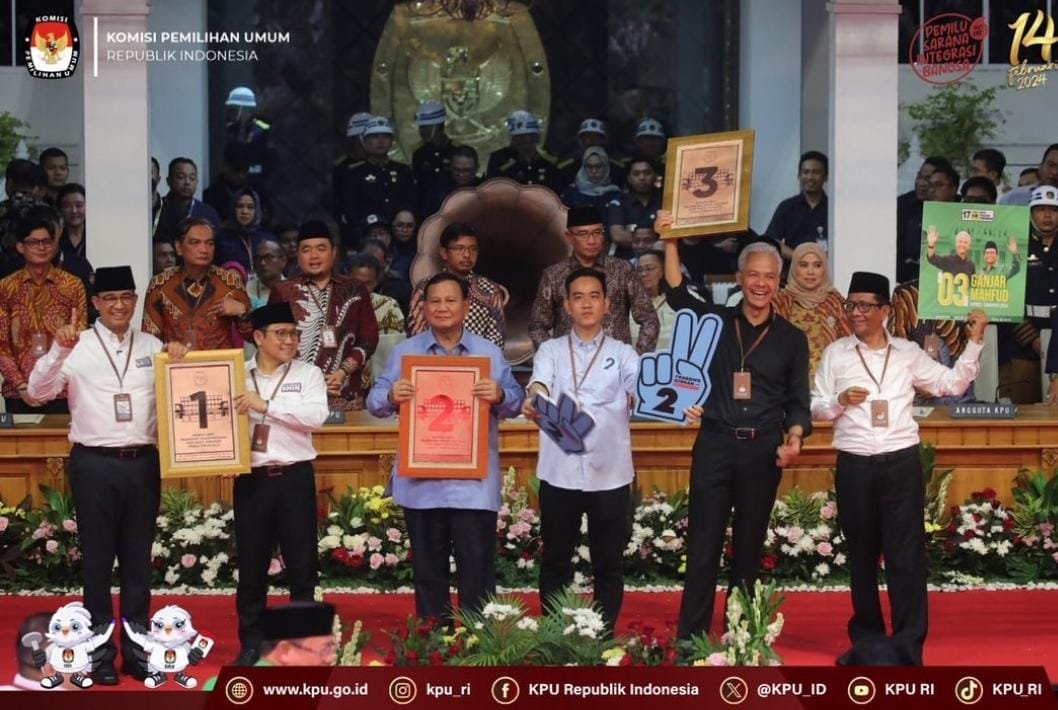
447	515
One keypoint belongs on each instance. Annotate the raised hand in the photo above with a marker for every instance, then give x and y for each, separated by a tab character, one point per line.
931	236
975	325
1012	245
670	382
663	220
563	423
69	333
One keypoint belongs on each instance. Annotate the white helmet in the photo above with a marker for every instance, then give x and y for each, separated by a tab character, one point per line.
242	97
430	113
522	123
357	123
592	125
378	125
650	127
1044	195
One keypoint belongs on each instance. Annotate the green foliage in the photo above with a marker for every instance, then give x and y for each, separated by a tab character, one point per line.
1036	501
11	134
936	485
753	625
503	634
177	501
955	121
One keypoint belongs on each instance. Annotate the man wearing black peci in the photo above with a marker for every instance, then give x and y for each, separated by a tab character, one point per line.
865	384
752	426
108	374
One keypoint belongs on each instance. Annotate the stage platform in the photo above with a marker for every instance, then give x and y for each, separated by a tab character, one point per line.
984	453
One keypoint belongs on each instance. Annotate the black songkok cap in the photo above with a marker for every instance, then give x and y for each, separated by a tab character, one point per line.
297	620
991	245
270	314
582	217
314	229
113	278
866	282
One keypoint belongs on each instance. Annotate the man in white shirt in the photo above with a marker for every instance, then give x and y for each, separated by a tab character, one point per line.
276	502
599	373
866	384
108	371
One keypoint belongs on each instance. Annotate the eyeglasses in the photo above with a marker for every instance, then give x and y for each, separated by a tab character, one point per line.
593	234
266	257
38	243
861	306
462	249
286	334
324	651
113	299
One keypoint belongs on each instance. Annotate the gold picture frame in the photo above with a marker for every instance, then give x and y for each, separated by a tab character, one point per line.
199	432
708	179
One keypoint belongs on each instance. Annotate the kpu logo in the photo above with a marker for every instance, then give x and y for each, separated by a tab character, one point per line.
52	47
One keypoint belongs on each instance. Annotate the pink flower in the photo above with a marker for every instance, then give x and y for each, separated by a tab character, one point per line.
500	525
69	526
376	560
527	515
1055	556
391	560
188	560
393	535
824	548
827	511
794	534
373	543
358	551
274	567
1046	529
39	533
3	523
716	659
51	546
73	554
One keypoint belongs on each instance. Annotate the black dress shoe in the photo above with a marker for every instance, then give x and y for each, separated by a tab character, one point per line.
105	674
246	657
134	669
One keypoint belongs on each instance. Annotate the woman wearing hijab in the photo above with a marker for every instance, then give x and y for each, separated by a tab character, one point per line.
811	302
241	232
592	186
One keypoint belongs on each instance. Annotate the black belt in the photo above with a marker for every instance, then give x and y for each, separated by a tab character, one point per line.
742	433
121	452
884	458
273	470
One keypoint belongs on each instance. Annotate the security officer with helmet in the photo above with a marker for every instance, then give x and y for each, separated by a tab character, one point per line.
249	133
523	161
429	162
376	185
354	153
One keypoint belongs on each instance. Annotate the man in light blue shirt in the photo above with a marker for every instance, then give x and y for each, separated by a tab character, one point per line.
599	373
446	515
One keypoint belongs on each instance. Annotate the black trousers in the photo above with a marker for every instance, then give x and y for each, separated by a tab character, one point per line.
561	511
15	405
117	507
271	509
725	473
469	536
880	503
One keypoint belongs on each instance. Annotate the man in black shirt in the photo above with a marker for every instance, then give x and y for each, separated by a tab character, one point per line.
943	187
959	261
751	426
638	207
803	217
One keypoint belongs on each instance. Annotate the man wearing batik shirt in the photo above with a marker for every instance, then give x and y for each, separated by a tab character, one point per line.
549	318
197	304
35	302
334	314
459	252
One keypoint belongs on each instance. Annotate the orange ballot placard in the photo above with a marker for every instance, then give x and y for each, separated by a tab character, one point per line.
707	183
444	429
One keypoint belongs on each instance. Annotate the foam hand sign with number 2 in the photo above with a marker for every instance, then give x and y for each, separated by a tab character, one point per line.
669	382
563	422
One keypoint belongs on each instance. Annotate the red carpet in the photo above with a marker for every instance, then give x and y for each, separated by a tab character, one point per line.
966	628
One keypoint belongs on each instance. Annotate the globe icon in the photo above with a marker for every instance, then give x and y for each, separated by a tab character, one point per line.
239	690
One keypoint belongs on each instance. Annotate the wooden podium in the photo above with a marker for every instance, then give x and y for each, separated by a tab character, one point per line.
984	453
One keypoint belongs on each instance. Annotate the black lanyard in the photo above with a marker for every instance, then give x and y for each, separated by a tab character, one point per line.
253	376
128	358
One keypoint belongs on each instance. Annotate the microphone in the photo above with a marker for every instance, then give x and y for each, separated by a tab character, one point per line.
1006	400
